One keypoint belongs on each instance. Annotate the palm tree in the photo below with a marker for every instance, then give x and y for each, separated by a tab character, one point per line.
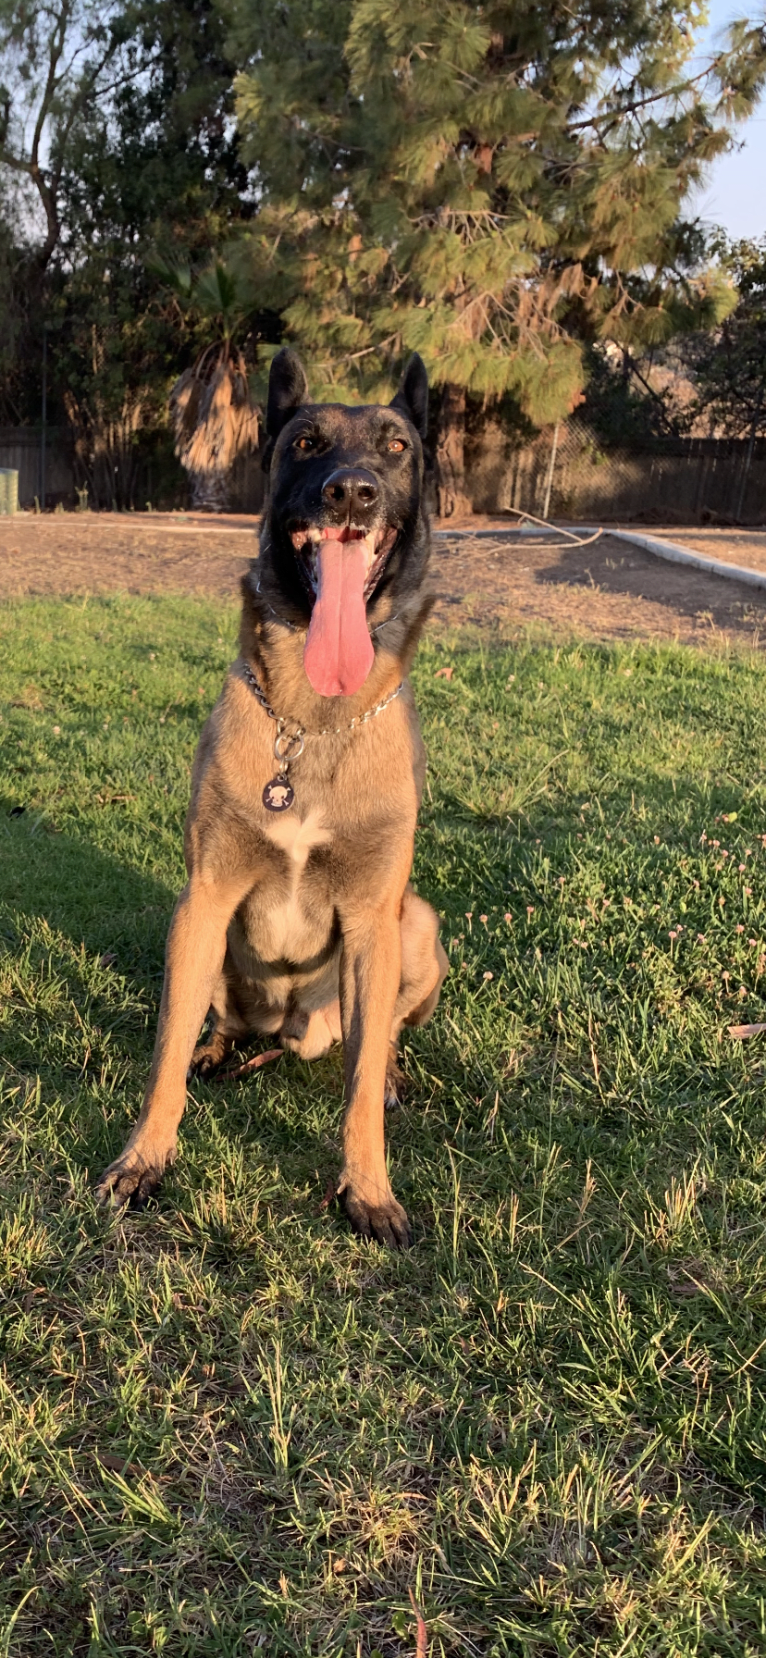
213	416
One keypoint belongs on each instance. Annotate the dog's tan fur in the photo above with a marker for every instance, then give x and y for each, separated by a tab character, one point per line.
326	886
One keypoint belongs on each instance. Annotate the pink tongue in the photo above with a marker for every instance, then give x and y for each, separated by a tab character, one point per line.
339	652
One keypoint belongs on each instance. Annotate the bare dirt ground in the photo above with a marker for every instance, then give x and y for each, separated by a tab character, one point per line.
744	547
603	590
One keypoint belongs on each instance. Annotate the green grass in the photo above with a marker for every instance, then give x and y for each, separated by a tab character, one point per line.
225	1423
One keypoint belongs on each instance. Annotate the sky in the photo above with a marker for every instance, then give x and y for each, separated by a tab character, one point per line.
734	194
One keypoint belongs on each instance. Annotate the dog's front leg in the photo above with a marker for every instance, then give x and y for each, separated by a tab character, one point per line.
194	956
369	982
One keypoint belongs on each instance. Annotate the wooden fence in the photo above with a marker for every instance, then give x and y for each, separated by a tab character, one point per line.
156	476
681	481
21	449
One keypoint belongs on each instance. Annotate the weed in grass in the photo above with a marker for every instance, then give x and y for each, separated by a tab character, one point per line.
226	1424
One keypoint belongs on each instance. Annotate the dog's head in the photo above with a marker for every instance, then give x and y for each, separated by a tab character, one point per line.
344	519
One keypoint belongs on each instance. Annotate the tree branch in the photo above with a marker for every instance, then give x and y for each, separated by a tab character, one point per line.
47	180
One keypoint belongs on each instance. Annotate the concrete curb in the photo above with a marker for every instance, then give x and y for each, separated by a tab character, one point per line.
676	554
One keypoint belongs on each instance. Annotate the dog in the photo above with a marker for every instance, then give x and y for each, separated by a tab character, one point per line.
299	919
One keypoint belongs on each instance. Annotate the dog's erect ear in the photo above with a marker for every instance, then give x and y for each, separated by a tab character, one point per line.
288	389
412	397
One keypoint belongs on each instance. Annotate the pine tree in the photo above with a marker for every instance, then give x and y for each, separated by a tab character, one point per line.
729	364
490	185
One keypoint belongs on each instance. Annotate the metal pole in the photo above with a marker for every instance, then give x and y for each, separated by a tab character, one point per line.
749	455
551	465
43	432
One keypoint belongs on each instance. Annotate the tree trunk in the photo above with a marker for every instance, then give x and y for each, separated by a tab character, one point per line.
749	459
452	501
209	490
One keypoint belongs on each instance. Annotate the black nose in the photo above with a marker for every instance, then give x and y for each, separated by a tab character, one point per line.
350	493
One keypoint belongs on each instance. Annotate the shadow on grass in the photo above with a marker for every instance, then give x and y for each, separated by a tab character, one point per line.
82	892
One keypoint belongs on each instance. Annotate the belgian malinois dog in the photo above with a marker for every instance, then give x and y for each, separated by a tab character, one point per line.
298	918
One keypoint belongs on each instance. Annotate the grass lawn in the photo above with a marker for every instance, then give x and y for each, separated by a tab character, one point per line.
225	1423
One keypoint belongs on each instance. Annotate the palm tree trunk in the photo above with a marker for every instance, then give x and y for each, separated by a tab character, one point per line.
452	500
209	491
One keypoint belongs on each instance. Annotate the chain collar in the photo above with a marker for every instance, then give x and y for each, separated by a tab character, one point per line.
299	732
290	740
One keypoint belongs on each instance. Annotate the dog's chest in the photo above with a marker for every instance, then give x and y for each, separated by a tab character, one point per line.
282	924
297	839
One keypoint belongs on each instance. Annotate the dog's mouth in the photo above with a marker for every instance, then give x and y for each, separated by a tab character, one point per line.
341	567
377	544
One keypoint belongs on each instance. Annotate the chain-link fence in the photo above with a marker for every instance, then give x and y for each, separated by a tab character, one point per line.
622	456
568	472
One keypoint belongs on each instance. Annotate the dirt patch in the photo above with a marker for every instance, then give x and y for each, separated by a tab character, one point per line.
605	590
99	553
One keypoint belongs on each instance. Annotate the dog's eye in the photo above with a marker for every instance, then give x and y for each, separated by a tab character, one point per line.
305	443
397	446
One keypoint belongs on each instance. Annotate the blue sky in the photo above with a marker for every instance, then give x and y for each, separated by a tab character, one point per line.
734	194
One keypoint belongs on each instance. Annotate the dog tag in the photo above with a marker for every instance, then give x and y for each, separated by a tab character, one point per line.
278	795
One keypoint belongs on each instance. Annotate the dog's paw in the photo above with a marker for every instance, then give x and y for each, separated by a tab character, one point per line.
207	1058
385	1221
130	1180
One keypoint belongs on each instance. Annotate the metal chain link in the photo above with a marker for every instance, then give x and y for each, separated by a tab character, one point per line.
299	734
